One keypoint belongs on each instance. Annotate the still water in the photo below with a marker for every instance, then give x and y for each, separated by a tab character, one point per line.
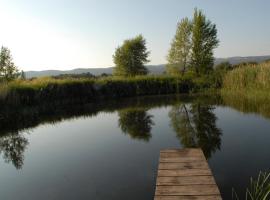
110	150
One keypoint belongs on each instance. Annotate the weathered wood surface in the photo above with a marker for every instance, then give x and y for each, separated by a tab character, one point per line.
185	175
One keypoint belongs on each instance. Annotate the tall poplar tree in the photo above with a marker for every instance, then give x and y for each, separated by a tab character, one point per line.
204	40
179	53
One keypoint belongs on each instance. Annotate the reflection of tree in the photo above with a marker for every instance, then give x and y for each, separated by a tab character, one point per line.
195	126
136	122
13	147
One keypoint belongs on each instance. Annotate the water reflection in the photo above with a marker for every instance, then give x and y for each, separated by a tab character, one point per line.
12	148
133	120
248	103
136	122
91	152
195	126
192	118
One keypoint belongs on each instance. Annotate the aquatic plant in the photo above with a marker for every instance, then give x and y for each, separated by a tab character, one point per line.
258	189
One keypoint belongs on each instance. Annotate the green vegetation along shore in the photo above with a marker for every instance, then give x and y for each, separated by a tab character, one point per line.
250	81
33	92
249	78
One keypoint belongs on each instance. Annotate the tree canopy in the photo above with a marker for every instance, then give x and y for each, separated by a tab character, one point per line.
193	45
204	40
131	57
8	70
179	53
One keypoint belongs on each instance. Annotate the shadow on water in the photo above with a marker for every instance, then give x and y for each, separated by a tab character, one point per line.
133	120
15	121
191	117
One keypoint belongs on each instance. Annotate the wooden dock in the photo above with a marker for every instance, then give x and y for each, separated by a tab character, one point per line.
185	175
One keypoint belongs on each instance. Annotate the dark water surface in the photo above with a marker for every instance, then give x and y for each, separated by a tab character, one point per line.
110	150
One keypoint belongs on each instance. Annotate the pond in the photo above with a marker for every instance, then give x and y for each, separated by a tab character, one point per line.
110	149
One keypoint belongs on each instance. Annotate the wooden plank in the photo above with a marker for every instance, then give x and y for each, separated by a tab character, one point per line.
197	190
183	165
184	172
180	153
187	150
205	197
186	180
181	159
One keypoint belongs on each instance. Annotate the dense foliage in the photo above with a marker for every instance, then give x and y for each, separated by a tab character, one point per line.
193	45
130	58
204	40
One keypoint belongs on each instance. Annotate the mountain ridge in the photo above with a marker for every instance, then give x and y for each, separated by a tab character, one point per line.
153	69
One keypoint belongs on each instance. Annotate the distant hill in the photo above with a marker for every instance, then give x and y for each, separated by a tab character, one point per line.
237	60
153	69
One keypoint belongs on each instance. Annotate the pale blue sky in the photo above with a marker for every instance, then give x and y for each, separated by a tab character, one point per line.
66	34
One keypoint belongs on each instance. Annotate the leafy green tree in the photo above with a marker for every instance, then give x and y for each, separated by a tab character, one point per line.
131	57
179	53
8	70
136	122
204	41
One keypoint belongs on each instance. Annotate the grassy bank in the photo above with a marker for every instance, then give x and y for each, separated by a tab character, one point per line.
32	92
247	88
248	78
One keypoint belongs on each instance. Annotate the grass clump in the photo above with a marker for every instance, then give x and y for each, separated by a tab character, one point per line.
259	189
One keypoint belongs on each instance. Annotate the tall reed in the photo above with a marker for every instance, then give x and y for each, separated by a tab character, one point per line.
249	77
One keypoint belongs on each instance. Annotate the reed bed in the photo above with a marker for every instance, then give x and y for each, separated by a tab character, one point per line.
36	91
249	77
